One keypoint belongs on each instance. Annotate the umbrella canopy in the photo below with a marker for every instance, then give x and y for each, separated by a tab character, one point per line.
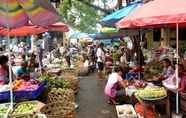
16	13
59	26
22	31
156	13
111	19
33	29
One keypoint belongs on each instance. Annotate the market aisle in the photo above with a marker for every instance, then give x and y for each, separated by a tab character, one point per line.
91	100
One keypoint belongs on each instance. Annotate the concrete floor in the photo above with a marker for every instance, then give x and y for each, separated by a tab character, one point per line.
92	101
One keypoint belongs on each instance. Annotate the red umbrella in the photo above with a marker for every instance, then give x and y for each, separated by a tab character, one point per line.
156	13
23	31
32	29
59	26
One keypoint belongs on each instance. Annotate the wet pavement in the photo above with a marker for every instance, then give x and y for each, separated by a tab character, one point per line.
92	101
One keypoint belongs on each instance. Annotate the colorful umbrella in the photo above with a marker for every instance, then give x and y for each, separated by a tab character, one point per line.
16	13
156	13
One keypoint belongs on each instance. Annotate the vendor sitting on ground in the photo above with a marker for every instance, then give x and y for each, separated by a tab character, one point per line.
115	83
170	83
3	69
167	69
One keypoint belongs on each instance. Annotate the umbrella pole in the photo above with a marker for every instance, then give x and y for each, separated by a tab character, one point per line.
177	61
9	57
10	71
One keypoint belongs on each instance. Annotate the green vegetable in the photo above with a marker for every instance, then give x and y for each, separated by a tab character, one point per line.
3	110
25	108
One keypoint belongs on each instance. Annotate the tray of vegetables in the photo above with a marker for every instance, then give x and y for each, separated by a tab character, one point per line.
27	108
4	110
151	93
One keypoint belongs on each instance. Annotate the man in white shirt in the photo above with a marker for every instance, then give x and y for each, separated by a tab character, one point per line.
100	57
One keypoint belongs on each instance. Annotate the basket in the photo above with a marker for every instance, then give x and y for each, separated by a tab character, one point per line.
59	110
65	95
38	105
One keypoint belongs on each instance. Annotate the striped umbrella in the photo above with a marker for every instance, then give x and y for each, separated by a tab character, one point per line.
16	13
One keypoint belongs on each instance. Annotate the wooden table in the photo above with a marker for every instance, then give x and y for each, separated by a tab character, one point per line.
154	103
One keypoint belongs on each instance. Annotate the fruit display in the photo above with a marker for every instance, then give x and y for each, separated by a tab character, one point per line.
151	93
27	108
62	95
24	108
31	85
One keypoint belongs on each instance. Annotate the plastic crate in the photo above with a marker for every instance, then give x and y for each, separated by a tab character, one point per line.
24	95
4	95
30	95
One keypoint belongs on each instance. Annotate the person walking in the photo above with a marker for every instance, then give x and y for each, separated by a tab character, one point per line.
100	60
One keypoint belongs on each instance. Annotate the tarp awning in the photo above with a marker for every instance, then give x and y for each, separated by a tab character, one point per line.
111	19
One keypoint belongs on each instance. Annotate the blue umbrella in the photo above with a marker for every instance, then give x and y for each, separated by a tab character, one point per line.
111	19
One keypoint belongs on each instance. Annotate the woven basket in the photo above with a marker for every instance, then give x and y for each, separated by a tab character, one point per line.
59	110
67	95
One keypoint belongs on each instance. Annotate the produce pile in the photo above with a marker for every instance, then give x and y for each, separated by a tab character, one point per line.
30	85
73	81
152	69
150	93
55	82
25	108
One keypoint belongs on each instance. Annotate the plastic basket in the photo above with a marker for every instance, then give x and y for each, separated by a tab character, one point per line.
24	95
30	95
4	95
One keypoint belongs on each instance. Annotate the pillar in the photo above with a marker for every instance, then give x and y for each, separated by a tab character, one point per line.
165	34
149	36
